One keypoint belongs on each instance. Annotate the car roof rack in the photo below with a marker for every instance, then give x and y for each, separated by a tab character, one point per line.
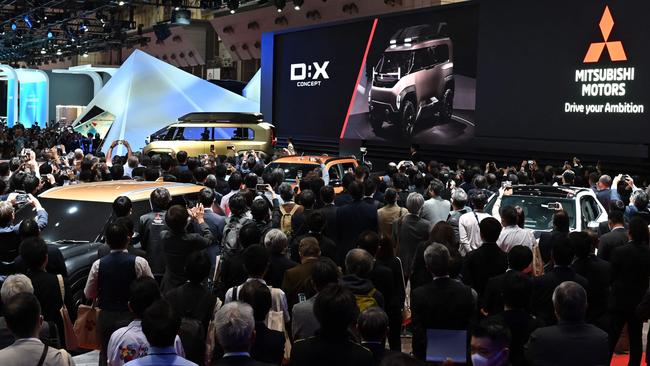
420	33
546	191
233	117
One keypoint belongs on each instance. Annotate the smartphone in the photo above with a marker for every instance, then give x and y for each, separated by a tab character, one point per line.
22	197
230	147
554	206
299	174
302	297
261	187
506	184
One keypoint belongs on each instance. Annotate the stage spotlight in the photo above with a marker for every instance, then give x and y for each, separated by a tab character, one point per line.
27	21
59	52
83	27
121	3
280	4
14	26
85	55
297	4
43	51
233	5
50	34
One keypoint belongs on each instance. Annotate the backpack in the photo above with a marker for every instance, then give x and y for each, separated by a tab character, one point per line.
366	301
230	242
285	220
453	220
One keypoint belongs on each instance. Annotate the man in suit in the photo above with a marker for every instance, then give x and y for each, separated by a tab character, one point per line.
487	261
297	279
215	222
276	242
519	260
336	310
560	232
150	228
630	273
329	210
345	198
269	344
571	341
306	199
389	213
517	287
160	326
23	316
617	237
598	272
55	261
315	224
353	219
409	231
381	276
603	190
543	287
369	190
436	209
178	244
373	328
442	304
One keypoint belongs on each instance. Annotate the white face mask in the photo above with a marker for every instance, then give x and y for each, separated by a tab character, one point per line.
479	360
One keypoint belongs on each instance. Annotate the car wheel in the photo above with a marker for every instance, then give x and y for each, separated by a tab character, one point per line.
408	115
447	107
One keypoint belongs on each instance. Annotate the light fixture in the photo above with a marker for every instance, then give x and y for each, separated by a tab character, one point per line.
14	26
43	51
297	4
27	21
233	5
59	52
50	34
121	3
85	55
280	4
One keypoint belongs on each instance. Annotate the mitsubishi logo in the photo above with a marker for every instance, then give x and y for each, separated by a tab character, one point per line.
614	48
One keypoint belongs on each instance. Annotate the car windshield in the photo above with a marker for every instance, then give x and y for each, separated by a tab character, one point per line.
291	170
392	61
537	212
70	220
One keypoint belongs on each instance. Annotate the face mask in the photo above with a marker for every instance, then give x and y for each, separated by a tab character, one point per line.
478	360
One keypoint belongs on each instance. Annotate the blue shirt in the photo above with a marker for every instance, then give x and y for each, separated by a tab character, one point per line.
161	357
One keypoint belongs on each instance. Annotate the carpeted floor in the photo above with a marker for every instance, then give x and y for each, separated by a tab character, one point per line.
621	360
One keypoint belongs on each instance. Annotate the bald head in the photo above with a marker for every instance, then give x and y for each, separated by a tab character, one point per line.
358	262
570	301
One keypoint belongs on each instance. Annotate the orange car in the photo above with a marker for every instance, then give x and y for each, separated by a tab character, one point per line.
295	167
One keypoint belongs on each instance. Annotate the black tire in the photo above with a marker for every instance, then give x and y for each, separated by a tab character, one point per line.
447	106
408	115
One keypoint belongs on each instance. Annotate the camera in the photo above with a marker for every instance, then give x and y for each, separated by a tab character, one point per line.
22	197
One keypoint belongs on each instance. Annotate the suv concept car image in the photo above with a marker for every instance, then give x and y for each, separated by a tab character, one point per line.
204	132
414	78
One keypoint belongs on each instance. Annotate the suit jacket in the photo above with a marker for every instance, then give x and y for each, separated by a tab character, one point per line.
28	351
521	325
481	264
630	272
321	351
343	199
568	344
546	242
610	241
493	295
544	286
372	201
268	346
330	215
298	280
379	352
326	244
278	266
352	220
386	216
442	304
55	262
408	233
383	280
238	361
598	272
177	247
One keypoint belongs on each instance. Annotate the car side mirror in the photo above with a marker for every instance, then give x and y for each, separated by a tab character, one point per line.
593	225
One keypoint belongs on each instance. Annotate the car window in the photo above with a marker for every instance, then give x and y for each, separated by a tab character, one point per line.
441	53
538	216
423	58
594	207
291	169
335	174
587	211
233	133
346	167
192	134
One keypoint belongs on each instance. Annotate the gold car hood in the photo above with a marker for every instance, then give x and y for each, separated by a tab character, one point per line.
109	191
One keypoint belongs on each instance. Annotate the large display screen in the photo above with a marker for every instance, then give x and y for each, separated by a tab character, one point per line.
403	78
564	70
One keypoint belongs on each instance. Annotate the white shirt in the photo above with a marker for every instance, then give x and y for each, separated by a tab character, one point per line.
469	231
278	303
513	235
129	343
142	269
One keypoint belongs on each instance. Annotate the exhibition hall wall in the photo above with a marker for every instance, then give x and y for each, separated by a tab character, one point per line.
502	74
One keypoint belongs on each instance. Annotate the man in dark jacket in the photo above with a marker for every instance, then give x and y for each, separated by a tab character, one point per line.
352	220
543	287
269	344
442	304
373	327
178	244
315	225
488	260
598	272
329	210
630	273
276	242
559	233
150	228
519	260
358	265
297	280
571	341
617	236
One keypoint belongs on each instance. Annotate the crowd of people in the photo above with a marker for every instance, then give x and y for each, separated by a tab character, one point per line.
259	271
